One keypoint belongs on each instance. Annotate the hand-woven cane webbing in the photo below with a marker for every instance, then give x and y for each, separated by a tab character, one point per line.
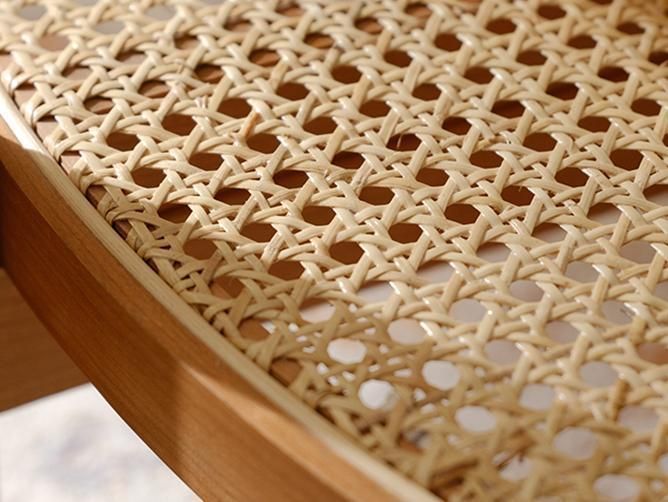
443	225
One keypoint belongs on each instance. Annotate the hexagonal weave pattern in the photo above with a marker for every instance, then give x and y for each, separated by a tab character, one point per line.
443	225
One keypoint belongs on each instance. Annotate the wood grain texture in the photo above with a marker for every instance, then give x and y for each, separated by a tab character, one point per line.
32	364
222	436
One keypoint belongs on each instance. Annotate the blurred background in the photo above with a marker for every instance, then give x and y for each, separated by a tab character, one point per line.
72	446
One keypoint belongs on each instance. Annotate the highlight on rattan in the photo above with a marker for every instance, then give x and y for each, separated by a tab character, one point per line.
442	225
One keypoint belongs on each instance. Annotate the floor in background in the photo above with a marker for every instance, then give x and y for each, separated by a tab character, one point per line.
73	447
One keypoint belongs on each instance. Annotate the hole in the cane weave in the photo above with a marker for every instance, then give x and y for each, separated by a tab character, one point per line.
646	107
516	469
148	177
447	42
638	418
346	74
398	58
231	286
232	196
626	159
475	418
122	141
616	312
467	310
209	73
658	57
287	270
263	142
435	272
405	232
348	160
109	27
479	74
617	487
540	142
561	331
630	28
493	252
154	89
562	90
456	125
508	108
31	12
346	351
176	213
264	57
369	25
161	12
404	142
536	396
594	124
462	213
200	249
501	26
377	394
290	178
531	58
99	106
432	177
525	290
375	108
638	251
235	107
442	375
658	194
289	9
237	24
53	42
427	92
320	125
378	196
502	352
346	252
549	232
185	42
581	271
319	40
613	74
661	290
603	213
418	9
77	72
486	159
292	91
406	331
572	176
517	195
375	291
206	161
582	42
576	442
551	11
598	374
656	353
259	232
318	215
179	124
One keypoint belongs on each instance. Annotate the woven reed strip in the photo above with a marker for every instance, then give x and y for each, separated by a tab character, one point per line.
273	160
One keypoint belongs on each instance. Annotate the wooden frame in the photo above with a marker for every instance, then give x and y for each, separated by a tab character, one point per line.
177	382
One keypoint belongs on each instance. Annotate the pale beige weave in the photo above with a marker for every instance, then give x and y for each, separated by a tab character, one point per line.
442	225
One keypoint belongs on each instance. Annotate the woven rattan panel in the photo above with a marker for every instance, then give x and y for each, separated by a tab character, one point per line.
441	225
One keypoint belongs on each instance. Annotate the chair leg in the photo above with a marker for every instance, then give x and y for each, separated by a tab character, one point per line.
32	364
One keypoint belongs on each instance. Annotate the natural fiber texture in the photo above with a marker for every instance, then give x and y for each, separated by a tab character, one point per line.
442	225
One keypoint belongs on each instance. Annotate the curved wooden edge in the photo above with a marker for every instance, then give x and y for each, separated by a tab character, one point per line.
176	381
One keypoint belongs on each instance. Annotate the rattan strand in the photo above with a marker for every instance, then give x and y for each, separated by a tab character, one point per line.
442	225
